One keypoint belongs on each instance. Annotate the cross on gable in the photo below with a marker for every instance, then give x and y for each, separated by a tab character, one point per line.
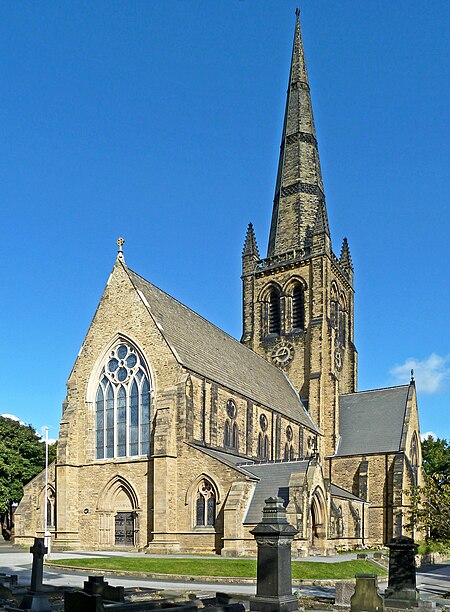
120	242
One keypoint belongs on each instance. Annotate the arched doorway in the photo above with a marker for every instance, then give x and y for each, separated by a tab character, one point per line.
118	510
318	520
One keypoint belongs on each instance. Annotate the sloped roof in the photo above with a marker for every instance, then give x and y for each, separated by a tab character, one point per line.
372	421
343	494
273	481
230	459
205	349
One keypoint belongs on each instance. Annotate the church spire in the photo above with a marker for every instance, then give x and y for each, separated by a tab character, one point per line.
299	188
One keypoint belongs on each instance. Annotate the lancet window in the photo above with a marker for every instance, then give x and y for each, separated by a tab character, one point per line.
263	439
205	505
298	307
122	405
231	432
274	312
338	316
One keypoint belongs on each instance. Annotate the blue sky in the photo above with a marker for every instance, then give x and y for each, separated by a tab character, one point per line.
161	121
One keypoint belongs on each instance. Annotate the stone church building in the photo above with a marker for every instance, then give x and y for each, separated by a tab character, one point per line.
173	433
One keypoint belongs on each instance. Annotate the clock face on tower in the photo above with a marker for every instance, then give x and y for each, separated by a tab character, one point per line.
282	353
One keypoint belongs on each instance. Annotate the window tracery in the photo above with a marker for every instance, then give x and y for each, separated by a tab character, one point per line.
122	405
205	505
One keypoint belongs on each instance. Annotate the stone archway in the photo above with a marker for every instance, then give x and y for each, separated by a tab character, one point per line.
318	520
118	511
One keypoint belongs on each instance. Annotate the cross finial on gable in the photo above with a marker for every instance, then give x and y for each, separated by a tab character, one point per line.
120	242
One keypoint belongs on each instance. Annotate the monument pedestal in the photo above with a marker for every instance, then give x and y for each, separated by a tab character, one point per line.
274	537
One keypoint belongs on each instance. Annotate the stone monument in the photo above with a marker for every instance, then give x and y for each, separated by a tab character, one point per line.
366	597
401	591
274	537
35	599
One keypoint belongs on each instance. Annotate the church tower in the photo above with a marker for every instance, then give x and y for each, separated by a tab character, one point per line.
298	301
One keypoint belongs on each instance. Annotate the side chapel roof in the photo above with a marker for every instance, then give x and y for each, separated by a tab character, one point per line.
372	421
205	349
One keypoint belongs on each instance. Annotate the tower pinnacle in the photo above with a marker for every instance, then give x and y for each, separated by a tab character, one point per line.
299	188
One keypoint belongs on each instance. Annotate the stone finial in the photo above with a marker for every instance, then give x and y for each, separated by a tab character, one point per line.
250	245
120	242
345	258
412	375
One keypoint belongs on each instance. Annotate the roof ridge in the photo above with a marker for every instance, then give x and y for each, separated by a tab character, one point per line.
274	368
373	390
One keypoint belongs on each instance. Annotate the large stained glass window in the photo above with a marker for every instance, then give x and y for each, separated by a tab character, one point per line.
122	405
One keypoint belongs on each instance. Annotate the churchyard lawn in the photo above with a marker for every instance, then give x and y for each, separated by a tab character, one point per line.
238	568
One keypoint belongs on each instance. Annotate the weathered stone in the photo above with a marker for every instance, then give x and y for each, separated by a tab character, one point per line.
366	597
274	536
401	591
344	592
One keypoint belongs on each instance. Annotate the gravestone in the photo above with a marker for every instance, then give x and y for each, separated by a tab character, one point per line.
344	592
366	597
401	591
35	599
97	585
274	537
77	600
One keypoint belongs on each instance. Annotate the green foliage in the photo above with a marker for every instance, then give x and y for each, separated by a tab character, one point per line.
430	547
430	508
22	457
222	567
436	457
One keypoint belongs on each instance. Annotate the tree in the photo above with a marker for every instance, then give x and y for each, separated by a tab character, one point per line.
430	504
22	457
436	457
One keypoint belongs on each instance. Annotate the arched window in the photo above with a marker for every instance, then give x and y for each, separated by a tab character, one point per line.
298	307
288	452
226	435
205	505
274	312
122	405
231	433
414	457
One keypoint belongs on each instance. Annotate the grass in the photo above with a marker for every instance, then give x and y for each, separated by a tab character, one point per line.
239	568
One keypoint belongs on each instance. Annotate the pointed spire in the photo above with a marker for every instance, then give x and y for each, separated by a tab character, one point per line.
250	246
345	259
299	187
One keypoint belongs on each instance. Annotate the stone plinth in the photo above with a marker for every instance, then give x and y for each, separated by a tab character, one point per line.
274	537
401	591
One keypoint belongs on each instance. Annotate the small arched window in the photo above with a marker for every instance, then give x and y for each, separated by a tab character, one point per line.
274	312
414	457
122	405
205	505
298	307
231	432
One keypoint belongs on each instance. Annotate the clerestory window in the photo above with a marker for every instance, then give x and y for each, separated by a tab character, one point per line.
122	406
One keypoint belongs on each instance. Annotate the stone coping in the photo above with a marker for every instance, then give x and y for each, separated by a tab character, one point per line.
189	578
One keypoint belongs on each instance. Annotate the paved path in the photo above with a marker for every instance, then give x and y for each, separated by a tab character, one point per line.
432	581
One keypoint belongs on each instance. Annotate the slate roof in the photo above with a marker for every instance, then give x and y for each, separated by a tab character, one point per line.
273	481
342	493
205	349
372	421
229	459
